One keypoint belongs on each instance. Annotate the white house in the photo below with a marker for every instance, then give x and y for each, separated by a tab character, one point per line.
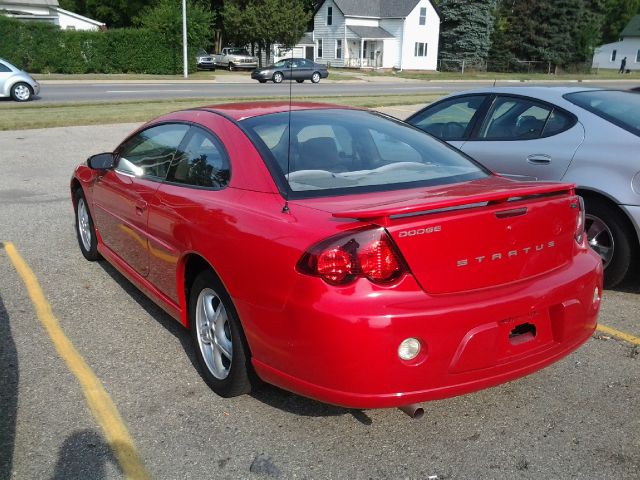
48	11
611	54
400	34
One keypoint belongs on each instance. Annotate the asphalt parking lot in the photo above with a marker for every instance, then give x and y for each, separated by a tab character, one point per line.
579	418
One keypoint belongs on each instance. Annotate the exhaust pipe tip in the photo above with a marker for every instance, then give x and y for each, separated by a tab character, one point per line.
413	410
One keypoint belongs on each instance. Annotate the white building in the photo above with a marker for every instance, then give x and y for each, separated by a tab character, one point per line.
48	11
611	54
400	34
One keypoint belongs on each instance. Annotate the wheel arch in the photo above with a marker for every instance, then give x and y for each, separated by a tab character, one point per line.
605	198
74	186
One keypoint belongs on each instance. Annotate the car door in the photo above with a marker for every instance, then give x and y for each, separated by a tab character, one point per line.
304	70
287	70
5	73
122	195
525	139
186	203
452	119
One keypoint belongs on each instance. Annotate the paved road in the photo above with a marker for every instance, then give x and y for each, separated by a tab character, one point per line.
577	419
243	87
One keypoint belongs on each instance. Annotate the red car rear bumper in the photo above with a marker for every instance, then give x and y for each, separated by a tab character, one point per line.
344	352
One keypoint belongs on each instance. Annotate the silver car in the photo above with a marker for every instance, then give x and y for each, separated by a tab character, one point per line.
590	137
16	83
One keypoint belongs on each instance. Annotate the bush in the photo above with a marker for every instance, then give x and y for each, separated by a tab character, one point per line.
44	48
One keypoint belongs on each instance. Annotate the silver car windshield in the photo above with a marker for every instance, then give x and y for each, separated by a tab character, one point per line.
337	151
618	107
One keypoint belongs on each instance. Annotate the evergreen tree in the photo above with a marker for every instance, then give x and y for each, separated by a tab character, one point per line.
465	32
617	16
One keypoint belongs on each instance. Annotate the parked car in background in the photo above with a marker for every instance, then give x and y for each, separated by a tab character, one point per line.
234	58
16	83
204	61
298	245
298	69
590	137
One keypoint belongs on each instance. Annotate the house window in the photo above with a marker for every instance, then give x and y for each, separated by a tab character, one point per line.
330	16
423	16
319	48
613	55
420	49
338	48
638	56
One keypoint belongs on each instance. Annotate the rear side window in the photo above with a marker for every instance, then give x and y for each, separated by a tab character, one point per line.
336	152
450	119
4	68
150	153
203	162
514	118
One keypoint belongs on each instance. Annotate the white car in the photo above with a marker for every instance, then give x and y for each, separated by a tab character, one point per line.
590	137
16	83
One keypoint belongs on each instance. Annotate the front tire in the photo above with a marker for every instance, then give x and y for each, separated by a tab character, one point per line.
610	236
218	338
315	78
262	81
277	77
21	92
85	230
300	81
230	66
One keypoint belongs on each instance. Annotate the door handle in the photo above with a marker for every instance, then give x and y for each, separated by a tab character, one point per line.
141	207
539	159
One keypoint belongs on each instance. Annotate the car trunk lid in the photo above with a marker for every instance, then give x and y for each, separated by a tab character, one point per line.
476	234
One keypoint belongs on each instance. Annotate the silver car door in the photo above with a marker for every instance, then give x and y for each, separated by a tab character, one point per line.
525	139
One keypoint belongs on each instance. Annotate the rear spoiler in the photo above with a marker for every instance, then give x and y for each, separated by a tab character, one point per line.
426	203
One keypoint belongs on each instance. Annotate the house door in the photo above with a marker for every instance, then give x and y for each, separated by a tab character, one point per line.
308	53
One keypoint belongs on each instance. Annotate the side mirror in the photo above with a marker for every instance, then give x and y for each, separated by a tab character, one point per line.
101	161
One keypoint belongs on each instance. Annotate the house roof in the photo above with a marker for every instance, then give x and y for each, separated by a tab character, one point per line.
80	17
33	3
376	8
306	39
632	29
370	32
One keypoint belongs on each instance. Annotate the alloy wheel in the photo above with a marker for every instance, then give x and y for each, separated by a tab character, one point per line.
84	226
600	238
214	333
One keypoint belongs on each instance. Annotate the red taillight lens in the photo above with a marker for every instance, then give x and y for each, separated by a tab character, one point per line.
366	253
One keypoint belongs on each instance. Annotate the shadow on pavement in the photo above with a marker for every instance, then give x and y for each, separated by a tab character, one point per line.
9	377
84	455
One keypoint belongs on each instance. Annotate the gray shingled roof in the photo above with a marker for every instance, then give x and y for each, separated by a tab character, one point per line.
632	29
306	40
377	8
370	32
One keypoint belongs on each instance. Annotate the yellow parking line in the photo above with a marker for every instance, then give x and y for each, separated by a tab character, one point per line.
101	405
618	334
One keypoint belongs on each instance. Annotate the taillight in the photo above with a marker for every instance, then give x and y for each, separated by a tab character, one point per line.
366	253
579	235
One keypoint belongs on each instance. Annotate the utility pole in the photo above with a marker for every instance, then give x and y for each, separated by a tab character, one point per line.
184	39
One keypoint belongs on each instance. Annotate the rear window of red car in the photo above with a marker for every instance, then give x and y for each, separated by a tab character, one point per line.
333	151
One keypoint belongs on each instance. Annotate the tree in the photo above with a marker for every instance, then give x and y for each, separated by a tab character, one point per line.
465	32
115	13
618	13
265	23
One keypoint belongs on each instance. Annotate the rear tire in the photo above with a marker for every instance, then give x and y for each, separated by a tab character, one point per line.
277	77
21	92
85	229
217	336
300	81
611	237
315	78
262	81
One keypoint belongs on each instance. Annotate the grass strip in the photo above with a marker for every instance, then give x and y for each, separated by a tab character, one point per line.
33	115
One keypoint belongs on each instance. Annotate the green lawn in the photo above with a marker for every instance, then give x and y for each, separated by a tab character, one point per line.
18	116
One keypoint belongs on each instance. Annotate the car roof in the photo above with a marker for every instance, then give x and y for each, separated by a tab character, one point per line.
541	92
244	110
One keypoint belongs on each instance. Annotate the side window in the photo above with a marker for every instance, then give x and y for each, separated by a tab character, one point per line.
4	68
512	118
150	152
323	147
450	119
556	123
203	163
393	150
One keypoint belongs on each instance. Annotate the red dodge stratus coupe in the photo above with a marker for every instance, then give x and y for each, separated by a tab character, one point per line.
339	253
